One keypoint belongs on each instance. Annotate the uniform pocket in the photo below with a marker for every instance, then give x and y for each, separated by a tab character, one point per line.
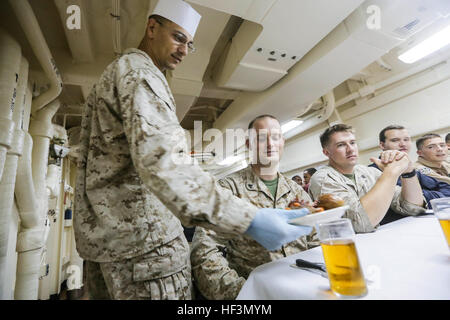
165	277
158	267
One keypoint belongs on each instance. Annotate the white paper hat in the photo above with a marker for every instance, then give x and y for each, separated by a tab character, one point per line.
179	12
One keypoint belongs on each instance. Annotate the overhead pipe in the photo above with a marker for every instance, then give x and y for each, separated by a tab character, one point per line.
385	84
324	114
30	26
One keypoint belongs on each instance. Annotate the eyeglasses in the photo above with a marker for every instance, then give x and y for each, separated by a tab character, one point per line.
180	38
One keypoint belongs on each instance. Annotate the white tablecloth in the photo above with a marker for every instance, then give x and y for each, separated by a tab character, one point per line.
405	259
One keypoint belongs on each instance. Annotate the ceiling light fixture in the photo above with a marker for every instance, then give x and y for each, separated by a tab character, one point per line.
229	161
290	125
427	47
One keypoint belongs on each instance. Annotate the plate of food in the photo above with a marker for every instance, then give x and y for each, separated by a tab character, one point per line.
327	208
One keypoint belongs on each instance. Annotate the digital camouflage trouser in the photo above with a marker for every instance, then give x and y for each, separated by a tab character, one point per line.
161	274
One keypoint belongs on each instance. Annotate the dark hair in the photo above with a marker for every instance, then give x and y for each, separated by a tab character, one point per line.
325	136
382	135
310	171
447	138
159	19
296	176
422	139
250	125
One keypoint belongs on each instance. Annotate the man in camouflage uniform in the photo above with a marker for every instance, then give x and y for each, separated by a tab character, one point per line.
432	160
136	180
368	191
221	263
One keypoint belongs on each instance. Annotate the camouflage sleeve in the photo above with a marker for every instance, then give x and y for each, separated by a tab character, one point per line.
158	149
212	274
404	207
356	213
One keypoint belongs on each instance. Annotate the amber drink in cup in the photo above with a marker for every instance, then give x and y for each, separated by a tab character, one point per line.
345	274
441	209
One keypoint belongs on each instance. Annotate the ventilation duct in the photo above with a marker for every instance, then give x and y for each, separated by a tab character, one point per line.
272	38
346	50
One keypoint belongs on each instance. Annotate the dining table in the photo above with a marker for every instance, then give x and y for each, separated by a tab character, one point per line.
403	260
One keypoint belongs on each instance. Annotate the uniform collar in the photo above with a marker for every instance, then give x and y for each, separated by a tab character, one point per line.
429	164
359	175
254	183
149	60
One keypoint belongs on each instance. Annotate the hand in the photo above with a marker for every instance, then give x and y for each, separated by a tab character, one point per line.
271	228
393	161
389	156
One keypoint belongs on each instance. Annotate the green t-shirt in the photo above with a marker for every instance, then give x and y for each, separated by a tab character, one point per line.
272	186
351	177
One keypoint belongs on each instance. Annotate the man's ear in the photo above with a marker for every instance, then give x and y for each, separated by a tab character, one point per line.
381	145
325	152
151	24
420	153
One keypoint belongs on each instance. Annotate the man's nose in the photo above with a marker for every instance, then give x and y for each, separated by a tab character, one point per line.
183	49
350	147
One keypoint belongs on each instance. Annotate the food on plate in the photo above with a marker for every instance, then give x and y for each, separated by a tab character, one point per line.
329	201
299	204
325	202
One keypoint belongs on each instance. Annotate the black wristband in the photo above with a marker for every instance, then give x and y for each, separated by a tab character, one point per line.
409	174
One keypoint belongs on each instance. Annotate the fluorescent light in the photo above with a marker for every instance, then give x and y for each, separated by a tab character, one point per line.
426	47
229	161
290	125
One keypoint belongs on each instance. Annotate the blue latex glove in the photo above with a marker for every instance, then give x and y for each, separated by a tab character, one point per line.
271	227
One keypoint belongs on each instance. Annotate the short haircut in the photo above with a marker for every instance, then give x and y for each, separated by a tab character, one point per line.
422	139
310	171
250	125
447	138
382	135
296	176
325	136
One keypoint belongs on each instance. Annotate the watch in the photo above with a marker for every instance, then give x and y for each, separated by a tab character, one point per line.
409	174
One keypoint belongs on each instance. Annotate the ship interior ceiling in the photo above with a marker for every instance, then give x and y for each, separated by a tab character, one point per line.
318	61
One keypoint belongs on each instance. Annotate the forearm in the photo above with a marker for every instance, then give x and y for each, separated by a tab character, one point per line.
377	201
412	191
212	274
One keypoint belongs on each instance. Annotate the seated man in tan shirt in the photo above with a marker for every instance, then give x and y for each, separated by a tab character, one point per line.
432	161
368	191
222	262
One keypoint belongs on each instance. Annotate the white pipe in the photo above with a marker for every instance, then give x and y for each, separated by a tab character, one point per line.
24	189
6	203
8	181
33	32
10	55
52	181
383	85
31	241
329	106
25	193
